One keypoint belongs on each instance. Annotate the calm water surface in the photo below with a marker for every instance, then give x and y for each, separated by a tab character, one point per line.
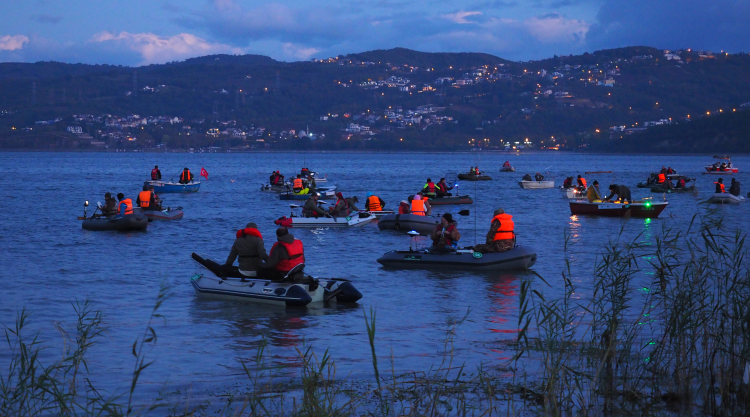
48	261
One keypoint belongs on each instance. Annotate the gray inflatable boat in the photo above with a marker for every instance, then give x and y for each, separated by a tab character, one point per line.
135	221
424	225
518	258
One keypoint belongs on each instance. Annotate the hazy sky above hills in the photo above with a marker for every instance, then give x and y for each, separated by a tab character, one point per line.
138	32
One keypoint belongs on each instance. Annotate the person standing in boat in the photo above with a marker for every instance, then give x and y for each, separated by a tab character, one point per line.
312	209
501	237
186	177
720	186
374	203
622	192
443	188
446	233
125	205
286	253
538	177
155	173
249	249
734	188
430	189
592	193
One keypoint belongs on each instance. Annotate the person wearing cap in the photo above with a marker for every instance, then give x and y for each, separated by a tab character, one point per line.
186	177
249	248
592	193
341	208
155	173
146	199
446	233
443	188
501	236
286	254
110	205
312	209
374	203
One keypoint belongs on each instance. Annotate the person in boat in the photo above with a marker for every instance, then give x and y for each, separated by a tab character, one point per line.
156	199
312	209
506	164
568	183
538	177
527	177
501	237
661	178
403	207
420	205
110	205
622	192
430	188
472	171
186	176
374	203
351	200
723	166
652	179
443	188
286	254
310	183
297	185
155	173
592	193
249	249
146	199
446	234
477	171
582	185
274	178
305	172
663	170
670	171
125	206
680	183
720	186
341	208
734	188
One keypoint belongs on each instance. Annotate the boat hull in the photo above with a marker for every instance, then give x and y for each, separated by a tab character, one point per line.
646	210
442	201
132	222
425	225
325	195
168	214
533	185
507	169
570	193
161	187
662	189
469	177
729	171
381	213
519	258
356	219
725	198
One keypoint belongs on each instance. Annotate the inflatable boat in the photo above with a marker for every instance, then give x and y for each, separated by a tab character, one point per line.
518	258
458	199
380	213
130	222
326	194
424	225
536	184
167	214
354	219
507	169
571	193
296	289
161	187
725	198
275	188
472	177
641	209
663	189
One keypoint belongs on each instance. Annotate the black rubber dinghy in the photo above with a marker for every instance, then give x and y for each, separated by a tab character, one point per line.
424	225
459	199
518	258
135	221
472	177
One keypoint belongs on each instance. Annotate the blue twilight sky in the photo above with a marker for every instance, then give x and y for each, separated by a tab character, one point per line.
139	32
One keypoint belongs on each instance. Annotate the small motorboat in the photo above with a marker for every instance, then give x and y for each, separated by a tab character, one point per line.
518	258
326	194
424	225
725	198
571	192
507	169
166	214
660	188
717	169
161	187
473	177
456	199
670	177
641	209
533	185
276	188
316	176
353	219
296	289
380	213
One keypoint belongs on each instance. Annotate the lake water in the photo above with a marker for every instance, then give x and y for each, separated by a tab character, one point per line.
48	261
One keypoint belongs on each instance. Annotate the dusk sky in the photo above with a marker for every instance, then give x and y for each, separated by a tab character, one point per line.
140	32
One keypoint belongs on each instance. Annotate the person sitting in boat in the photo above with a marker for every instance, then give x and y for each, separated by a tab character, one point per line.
110	205
592	193
420	205
374	203
403	207
305	172
472	171
286	253
568	183
622	192
430	189
527	177
506	164
445	235
538	177
155	173
477	171
249	249
186	176
661	178
670	171
723	166
125	207
156	199
145	199
501	237
274	178
680	183
312	209
351	200
310	183
734	188
720	186
341	208
582	185
298	186
663	170
443	188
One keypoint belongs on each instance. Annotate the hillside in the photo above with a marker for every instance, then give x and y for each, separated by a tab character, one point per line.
377	99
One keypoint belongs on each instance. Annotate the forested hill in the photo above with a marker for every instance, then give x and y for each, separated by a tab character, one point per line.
378	99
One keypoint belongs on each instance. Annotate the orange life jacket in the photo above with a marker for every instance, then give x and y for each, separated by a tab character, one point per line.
374	203
506	227
128	206
154	174
297	183
721	187
185	176
582	181
296	255
662	178
248	231
145	198
417	207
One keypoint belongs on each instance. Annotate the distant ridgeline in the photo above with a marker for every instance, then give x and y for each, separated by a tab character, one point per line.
635	98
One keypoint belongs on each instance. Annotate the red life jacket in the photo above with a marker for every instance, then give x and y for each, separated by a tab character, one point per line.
446	233
248	231
403	209
296	255
721	187
662	178
431	187
154	174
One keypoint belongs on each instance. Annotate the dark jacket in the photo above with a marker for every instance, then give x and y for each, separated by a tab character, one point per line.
279	253
623	193
352	207
734	189
110	207
311	207
527	177
250	250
